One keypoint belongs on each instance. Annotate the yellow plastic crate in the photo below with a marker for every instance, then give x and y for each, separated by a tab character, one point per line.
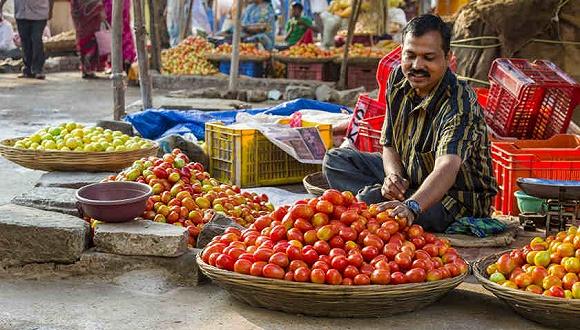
246	158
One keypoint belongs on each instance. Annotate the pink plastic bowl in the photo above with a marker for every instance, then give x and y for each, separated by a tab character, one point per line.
117	201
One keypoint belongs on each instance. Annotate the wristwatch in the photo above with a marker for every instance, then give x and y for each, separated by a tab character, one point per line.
413	206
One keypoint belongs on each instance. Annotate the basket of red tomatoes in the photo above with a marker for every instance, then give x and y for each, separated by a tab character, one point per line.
333	256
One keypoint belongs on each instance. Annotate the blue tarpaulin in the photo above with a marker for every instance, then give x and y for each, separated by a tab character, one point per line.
157	123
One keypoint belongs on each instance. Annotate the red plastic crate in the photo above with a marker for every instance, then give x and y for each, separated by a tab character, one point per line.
557	158
369	134
530	100
482	95
386	65
365	107
309	71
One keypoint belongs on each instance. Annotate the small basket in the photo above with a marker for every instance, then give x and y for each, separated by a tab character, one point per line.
54	160
315	183
328	300
554	312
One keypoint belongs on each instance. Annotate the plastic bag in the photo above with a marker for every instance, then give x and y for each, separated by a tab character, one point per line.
104	39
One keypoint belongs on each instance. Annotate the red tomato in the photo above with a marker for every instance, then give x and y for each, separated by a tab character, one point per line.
289	276
380	276
416	275
336	242
337	252
362	279
321	247
303	225
404	260
213	257
327	259
242	266
293	252
347	281
216	247
263	222
295	234
224	261
278	233
280	259
369	252
348	217
309	256
355	259
390	250
350	271
333	277
247	256
317	276
367	269
295	264
339	262
398	278
321	265
273	271
235	253
333	196
257	268
263	254
302	274
348	234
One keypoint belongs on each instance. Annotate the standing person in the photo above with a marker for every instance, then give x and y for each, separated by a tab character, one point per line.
88	15
298	27
31	17
259	23
318	7
129	53
435	165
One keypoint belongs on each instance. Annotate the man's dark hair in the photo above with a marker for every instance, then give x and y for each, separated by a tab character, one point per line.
422	24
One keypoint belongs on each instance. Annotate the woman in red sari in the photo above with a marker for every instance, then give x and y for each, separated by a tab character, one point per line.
88	16
129	53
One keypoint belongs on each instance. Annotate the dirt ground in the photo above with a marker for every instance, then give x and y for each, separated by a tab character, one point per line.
144	299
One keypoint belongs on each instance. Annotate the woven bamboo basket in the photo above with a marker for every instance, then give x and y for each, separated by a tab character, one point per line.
327	300
315	183
71	160
243	58
554	312
302	60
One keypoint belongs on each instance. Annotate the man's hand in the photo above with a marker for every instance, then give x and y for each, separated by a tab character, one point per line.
398	209
394	187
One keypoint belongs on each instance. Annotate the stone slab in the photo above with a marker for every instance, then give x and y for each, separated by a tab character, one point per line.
29	235
72	180
54	199
141	238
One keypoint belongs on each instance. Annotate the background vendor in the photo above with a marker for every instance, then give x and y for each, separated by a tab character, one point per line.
436	164
335	18
299	27
259	23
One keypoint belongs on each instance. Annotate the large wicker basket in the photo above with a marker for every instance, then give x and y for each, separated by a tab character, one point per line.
554	312
315	183
327	300
71	160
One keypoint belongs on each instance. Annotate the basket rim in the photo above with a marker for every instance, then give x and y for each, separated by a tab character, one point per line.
485	282
302	60
4	144
334	289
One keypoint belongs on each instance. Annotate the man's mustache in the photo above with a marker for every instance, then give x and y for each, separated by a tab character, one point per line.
419	73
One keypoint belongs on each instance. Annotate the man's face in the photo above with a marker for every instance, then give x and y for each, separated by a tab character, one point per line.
423	61
296	11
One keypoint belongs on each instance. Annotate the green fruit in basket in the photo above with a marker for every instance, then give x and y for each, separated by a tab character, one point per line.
497	278
47	136
50	145
35	138
54	131
34	145
120	148
65	148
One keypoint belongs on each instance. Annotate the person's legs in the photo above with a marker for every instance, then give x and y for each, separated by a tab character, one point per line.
436	219
37	46
24	30
352	170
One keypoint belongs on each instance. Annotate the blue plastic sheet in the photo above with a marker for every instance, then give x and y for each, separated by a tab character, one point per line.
158	123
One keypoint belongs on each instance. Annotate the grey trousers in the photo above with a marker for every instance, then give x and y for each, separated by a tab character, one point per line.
363	173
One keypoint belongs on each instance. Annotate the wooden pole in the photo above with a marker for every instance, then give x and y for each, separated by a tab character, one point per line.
181	4
356	4
142	57
235	62
117	61
154	18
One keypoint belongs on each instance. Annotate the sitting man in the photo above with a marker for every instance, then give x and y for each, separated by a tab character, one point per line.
298	27
436	164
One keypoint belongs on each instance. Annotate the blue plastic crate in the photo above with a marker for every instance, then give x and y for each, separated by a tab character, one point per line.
247	68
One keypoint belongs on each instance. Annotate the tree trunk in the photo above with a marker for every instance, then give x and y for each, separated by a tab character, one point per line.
356	4
235	62
154	19
117	61
142	57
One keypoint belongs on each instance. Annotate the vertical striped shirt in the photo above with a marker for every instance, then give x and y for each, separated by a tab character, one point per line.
447	121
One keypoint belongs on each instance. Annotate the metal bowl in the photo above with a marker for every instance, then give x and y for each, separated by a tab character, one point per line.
117	201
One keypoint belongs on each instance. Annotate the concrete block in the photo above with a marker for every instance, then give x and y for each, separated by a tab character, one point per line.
53	199
72	180
29	235
298	92
141	238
